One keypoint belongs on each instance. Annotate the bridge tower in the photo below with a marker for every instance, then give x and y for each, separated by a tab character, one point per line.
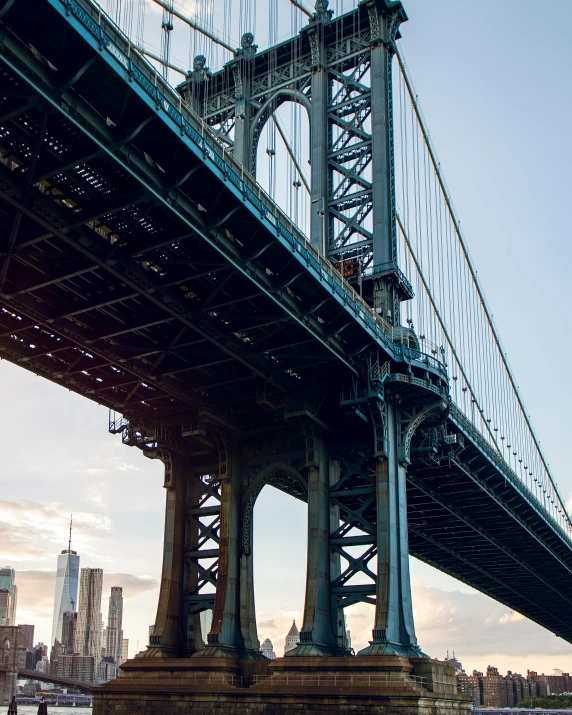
339	70
9	636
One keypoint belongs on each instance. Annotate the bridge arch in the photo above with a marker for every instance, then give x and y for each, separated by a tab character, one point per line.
5	647
286	478
286	118
281	475
267	109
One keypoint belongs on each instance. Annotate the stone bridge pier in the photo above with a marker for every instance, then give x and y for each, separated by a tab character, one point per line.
8	662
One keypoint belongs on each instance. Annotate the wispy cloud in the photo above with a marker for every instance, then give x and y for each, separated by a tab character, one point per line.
102	465
29	530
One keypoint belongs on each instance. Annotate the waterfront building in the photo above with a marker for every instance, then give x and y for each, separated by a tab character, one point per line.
8	582
77	667
65	600
88	629
494	690
292	639
267	649
114	632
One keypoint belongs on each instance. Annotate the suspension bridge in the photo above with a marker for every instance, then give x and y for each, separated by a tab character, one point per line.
339	348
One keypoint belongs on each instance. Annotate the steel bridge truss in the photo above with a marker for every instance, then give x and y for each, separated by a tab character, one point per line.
339	70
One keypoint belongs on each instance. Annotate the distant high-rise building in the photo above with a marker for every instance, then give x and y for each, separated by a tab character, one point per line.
7	581
5	603
77	667
206	623
114	633
65	600
106	670
267	649
455	663
88	630
124	650
27	633
69	626
292	639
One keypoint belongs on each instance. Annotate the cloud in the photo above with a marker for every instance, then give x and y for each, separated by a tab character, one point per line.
29	530
132	585
106	465
36	589
476	625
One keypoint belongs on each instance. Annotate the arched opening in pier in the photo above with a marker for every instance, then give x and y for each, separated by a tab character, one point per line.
5	652
280	528
282	148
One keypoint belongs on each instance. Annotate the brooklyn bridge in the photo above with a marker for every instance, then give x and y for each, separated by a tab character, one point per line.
344	354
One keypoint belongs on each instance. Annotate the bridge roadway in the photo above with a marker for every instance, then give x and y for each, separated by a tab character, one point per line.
24	673
145	270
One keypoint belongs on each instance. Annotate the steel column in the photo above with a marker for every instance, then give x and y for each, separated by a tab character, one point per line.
394	632
225	637
386	297
247	605
169	635
318	635
319	139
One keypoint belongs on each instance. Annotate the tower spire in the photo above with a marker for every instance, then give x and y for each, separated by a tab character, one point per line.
71	524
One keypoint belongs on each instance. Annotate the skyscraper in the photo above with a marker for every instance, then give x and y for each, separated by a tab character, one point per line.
292	638
88	630
267	649
69	625
124	650
65	600
5	603
114	624
7	582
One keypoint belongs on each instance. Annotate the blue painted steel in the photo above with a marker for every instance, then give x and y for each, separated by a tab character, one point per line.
196	135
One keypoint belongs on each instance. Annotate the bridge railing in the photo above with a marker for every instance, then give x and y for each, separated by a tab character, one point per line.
184	679
141	72
509	474
378	680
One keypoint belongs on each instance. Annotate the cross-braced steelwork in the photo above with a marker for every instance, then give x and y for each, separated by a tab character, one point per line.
145	268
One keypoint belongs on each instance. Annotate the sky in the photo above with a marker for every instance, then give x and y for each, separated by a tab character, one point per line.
493	80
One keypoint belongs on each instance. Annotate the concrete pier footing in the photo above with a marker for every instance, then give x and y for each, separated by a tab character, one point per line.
303	686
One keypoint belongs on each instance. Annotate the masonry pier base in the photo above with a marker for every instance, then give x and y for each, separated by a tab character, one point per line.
326	686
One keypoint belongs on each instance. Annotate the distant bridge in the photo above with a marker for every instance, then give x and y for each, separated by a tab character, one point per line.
24	673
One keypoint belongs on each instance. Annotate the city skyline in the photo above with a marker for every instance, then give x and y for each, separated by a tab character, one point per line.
97	463
116	645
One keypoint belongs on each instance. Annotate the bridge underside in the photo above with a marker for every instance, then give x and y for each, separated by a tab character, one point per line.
134	272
